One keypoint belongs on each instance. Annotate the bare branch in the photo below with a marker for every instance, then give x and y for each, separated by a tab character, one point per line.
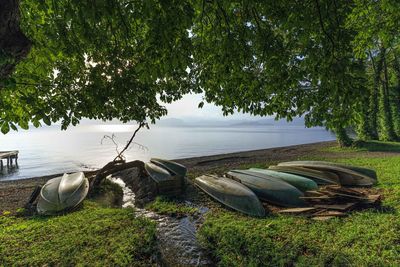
120	154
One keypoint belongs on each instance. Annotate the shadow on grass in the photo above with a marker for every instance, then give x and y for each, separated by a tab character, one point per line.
377	146
385	209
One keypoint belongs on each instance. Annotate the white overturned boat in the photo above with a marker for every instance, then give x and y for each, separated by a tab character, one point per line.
63	193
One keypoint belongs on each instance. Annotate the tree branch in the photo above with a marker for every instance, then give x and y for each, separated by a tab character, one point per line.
120	156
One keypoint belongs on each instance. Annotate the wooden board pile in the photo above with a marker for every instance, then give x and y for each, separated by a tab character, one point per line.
335	201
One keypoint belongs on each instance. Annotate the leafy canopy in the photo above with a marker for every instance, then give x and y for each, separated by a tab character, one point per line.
107	59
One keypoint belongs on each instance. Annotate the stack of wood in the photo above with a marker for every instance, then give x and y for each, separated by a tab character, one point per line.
335	201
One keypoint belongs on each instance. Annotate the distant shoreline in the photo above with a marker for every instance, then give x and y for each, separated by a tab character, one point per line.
192	161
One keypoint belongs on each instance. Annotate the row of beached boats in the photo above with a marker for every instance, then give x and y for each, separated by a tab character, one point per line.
242	190
66	192
282	185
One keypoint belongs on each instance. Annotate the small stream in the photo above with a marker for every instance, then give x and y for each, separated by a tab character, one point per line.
177	240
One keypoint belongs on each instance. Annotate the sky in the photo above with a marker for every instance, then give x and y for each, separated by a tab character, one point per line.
187	107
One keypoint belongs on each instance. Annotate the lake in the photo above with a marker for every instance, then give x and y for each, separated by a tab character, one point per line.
49	150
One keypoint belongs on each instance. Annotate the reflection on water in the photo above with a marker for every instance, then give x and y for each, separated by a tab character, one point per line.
48	150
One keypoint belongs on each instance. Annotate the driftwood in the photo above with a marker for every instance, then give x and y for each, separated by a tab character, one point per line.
118	164
113	167
335	201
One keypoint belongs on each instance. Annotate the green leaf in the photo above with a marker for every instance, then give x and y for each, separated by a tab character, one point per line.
5	128
13	126
36	123
46	120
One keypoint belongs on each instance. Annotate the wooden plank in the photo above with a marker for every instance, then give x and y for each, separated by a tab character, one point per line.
329	213
7	154
343	207
297	210
317	198
313	193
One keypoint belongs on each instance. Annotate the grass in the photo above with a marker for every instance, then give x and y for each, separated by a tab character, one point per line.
171	207
98	235
366	238
370	146
93	235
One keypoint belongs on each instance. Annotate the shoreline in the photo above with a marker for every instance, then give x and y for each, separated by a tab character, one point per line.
193	162
15	193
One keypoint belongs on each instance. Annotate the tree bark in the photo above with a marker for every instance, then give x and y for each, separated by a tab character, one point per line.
396	100
386	122
113	167
14	45
373	101
342	137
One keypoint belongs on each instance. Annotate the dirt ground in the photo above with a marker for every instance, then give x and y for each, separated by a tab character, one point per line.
14	194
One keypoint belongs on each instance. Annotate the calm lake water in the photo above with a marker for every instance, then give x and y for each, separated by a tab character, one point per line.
48	150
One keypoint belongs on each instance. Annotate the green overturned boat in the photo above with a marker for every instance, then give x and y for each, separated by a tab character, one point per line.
348	175
232	194
175	168
270	189
167	183
320	177
301	183
157	173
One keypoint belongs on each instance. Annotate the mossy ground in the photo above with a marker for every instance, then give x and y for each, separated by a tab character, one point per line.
365	238
94	235
171	207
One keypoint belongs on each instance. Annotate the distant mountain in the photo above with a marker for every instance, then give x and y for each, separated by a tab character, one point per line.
295	122
171	122
200	122
251	123
270	122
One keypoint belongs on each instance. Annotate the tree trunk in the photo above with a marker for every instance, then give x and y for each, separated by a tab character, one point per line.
385	113
396	99
363	127
373	102
342	137
14	45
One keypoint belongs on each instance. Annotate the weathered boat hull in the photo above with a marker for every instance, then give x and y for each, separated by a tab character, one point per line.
365	171
320	177
300	182
171	166
271	190
63	193
232	194
347	176
167	183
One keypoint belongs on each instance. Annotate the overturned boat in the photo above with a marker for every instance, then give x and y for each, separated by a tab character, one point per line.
167	183
270	189
172	166
231	193
300	182
320	177
62	193
348	175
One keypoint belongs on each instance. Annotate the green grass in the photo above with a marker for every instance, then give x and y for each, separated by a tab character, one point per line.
93	235
170	207
365	238
103	236
370	146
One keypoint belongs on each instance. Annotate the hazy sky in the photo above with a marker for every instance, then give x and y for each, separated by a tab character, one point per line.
187	107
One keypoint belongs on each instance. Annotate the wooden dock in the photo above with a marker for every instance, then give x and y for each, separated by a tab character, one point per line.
9	156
